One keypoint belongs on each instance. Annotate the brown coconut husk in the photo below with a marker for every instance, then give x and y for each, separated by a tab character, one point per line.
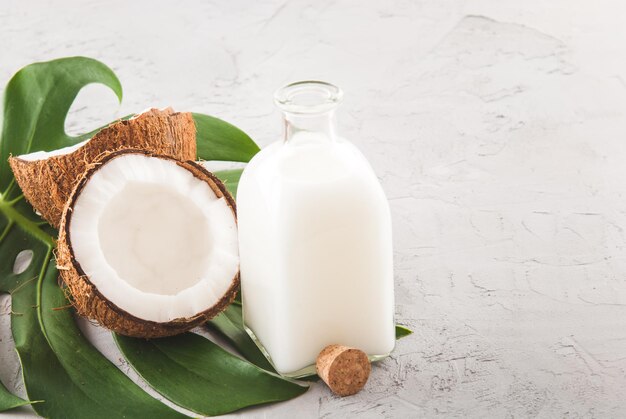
47	184
86	298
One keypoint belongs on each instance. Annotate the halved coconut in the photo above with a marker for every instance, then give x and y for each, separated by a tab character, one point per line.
148	244
47	178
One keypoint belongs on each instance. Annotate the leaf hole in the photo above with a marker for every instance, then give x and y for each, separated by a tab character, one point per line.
94	106
22	261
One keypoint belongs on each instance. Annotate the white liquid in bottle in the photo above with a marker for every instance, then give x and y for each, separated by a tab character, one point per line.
315	240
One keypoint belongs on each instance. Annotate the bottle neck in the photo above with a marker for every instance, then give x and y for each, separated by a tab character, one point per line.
322	125
309	109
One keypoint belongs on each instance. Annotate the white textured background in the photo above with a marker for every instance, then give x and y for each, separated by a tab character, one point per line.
498	129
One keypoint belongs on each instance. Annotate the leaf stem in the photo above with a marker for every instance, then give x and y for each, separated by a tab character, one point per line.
29	226
20	286
16	200
9	188
40	280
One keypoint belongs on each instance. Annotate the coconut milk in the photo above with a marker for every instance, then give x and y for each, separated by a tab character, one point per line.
315	241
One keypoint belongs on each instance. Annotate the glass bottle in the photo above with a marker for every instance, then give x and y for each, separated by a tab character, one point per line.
315	240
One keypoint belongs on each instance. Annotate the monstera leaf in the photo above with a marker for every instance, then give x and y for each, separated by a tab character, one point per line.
62	371
64	375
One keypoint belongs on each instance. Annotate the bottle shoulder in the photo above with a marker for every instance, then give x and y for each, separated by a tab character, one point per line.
338	152
312	165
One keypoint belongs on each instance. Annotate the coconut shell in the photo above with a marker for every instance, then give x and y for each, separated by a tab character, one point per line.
90	303
48	183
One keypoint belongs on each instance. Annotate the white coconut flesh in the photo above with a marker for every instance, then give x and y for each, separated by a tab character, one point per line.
153	239
43	155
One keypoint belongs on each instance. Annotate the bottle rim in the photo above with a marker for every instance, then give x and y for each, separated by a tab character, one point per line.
308	97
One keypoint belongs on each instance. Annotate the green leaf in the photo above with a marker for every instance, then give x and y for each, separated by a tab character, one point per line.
402	331
195	373
59	366
230	179
219	140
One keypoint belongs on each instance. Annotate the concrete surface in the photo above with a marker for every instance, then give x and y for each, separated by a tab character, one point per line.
498	130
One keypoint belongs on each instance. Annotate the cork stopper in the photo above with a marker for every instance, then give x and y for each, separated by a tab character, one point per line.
345	370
